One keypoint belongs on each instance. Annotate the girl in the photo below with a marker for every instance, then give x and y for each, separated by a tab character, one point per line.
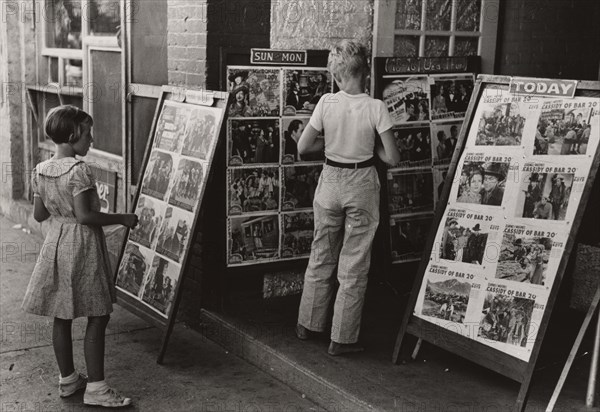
72	277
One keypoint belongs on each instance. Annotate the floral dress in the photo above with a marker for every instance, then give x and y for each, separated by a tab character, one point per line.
72	277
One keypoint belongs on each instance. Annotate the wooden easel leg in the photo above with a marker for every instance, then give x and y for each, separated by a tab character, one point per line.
416	350
573	353
591	390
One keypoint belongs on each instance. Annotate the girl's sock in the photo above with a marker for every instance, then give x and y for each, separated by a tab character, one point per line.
99	386
72	378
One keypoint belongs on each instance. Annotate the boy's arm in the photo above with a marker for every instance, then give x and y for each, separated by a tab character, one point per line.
309	142
86	216
40	213
387	150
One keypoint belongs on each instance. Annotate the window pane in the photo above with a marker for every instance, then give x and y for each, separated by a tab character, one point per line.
406	46
468	14
438	15
142	116
53	69
73	73
63	24
436	46
105	17
408	14
466	46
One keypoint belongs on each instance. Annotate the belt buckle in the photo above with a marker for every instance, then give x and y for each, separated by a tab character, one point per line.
355	166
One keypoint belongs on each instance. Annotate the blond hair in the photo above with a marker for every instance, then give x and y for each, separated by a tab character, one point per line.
348	58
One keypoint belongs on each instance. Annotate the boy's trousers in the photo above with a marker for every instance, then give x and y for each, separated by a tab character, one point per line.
346	208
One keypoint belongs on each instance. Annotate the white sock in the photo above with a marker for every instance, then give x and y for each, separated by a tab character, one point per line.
99	386
72	378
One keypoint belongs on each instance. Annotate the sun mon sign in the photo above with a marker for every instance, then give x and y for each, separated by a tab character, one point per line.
278	57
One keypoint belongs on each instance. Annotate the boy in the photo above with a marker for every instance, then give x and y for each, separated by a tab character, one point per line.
346	203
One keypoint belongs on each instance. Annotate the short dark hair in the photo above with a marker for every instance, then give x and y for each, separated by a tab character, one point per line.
294	125
63	123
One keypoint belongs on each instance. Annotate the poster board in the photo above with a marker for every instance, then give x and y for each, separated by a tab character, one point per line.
495	262
176	170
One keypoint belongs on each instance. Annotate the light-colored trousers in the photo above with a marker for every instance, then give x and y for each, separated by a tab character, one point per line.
346	208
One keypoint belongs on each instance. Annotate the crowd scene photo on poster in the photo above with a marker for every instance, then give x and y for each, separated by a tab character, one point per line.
171	127
160	286
482	183
524	258
150	213
158	174
545	195
174	233
463	243
443	141
253	141
253	189
133	268
563	132
414	145
502	125
255	92
199	134
408	237
407	99
292	130
253	238
450	97
446	299
506	319
299	185
186	188
304	89
410	192
297	234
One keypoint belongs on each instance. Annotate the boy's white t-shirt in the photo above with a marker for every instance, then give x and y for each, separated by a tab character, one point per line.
349	122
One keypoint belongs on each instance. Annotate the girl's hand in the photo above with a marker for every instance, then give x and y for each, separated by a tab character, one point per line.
130	220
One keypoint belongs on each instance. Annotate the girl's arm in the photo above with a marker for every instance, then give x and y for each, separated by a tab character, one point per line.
40	213
308	142
387	150
86	216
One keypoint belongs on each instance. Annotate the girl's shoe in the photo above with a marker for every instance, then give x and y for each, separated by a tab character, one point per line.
67	389
109	398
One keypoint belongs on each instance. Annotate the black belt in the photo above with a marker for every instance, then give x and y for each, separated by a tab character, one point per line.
358	165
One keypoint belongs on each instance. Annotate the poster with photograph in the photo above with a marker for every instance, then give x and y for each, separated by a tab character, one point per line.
158	174
296	234
133	268
256	92
440	174
408	237
567	126
253	239
171	127
292	130
150	213
407	98
482	179
410	191
443	141
450	95
252	189
530	254
174	233
159	289
185	192
253	141
299	185
414	145
200	132
303	89
500	119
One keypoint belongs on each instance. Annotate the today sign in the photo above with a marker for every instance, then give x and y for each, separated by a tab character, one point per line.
543	87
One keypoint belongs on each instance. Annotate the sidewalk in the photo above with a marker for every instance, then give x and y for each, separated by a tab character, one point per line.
197	375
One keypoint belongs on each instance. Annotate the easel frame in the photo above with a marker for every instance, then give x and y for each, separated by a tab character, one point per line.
496	360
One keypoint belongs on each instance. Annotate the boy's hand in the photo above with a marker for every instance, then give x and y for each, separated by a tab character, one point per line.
130	220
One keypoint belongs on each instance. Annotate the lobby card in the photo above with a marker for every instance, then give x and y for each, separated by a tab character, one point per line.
440	175
444	137
158	174
252	239
253	141
408	236
297	231
159	289
201	132
133	268
450	95
299	185
414	144
171	126
255	91
530	254
292	130
187	185
303	88
407	98
174	233
252	189
150	213
409	191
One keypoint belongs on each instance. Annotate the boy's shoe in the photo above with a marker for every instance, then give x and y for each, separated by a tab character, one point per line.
302	333
109	398
336	349
67	389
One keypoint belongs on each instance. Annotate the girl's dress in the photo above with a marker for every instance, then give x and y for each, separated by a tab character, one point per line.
72	277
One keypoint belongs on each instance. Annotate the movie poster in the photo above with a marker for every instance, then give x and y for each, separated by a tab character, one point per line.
408	236
252	189
407	98
292	130
185	192
171	127
158	174
150	213
440	174
414	145
200	132
253	141
174	233
410	191
133	268
450	96
253	239
255	91
296	234
299	185
303	90
159	289
444	137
